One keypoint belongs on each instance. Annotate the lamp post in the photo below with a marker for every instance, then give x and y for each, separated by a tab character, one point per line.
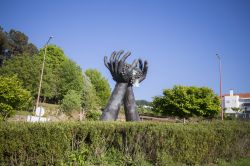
222	113
41	78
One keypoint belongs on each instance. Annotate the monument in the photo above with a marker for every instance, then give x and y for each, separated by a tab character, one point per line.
126	76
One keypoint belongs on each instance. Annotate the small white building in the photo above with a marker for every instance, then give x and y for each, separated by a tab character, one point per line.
240	100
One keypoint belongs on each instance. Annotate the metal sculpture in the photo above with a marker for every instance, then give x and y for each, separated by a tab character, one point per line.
126	76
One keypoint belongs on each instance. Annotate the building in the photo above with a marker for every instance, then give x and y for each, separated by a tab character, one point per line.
236	102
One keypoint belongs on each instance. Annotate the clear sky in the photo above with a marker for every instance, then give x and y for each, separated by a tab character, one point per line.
179	38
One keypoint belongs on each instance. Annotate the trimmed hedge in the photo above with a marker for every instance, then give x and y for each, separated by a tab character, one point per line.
116	143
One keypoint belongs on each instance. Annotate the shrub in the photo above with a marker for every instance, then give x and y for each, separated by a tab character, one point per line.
113	143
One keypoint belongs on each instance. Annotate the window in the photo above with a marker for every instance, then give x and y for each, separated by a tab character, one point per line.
245	100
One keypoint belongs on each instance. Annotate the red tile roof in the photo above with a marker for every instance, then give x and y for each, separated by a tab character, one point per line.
241	95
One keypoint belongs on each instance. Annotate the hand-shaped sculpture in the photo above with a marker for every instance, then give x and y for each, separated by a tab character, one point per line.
119	69
129	100
126	76
122	74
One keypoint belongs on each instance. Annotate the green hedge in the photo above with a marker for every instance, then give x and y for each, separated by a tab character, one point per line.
116	143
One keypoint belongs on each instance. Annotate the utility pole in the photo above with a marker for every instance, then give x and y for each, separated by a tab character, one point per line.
41	78
222	111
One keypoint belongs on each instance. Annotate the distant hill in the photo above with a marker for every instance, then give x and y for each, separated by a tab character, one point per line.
142	102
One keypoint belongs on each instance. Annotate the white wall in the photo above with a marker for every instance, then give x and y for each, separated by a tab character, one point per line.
230	102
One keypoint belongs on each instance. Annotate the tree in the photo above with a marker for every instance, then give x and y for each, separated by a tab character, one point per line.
90	101
18	43
55	57
71	101
60	73
237	110
187	101
28	70
100	84
70	75
15	43
13	96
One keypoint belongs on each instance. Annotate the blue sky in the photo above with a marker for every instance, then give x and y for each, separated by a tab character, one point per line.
179	38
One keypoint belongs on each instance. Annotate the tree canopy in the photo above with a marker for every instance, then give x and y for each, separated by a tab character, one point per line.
60	73
62	77
187	101
54	60
15	43
71	101
54	57
100	84
91	101
71	78
26	68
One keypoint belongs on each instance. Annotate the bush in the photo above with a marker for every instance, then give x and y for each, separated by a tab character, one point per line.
113	143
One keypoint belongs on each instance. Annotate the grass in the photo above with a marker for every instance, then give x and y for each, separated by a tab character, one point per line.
50	109
240	162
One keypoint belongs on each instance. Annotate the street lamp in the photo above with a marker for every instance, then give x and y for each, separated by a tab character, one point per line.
222	113
40	84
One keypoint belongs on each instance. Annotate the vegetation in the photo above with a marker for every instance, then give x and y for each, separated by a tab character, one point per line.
12	96
146	110
93	115
71	101
71	78
236	109
27	69
61	75
185	102
100	84
14	43
90	101
142	102
55	58
102	143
